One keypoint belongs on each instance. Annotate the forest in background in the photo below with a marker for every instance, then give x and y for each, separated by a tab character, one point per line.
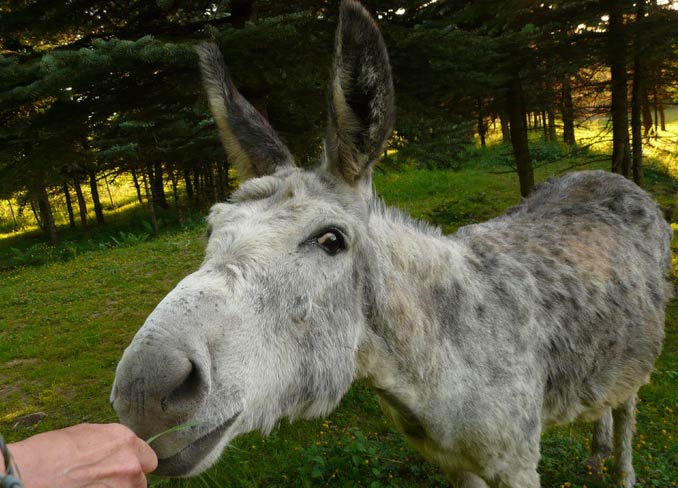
101	94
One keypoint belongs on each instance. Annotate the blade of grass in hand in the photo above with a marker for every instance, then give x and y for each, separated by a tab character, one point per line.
176	428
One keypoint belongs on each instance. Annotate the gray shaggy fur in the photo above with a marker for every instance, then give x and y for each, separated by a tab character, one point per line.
474	342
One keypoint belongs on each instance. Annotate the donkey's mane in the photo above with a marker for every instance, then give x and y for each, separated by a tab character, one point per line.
399	217
260	188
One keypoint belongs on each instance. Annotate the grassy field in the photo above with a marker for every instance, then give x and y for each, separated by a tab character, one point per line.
64	325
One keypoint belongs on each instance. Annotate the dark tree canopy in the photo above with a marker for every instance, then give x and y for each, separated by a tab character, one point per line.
95	89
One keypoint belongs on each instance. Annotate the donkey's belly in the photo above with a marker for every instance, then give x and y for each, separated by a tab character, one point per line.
587	402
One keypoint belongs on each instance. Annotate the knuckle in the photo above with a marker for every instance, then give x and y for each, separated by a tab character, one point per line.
131	469
123	428
141	445
122	431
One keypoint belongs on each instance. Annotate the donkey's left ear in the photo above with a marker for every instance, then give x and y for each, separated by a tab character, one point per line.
250	142
361	105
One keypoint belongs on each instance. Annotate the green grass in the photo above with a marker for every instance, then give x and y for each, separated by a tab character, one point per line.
64	325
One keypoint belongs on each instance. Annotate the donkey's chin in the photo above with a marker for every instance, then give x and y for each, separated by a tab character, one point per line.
199	454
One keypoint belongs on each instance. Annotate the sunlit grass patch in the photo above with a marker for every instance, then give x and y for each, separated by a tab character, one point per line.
116	197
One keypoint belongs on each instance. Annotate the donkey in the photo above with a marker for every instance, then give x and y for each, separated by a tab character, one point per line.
473	342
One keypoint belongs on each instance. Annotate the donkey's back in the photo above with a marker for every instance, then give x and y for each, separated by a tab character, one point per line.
590	253
602	197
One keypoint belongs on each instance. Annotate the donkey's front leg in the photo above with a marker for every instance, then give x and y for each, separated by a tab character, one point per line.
527	478
516	468
601	447
624	425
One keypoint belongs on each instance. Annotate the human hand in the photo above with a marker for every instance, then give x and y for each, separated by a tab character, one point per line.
86	455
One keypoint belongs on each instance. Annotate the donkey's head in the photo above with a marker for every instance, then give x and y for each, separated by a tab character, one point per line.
271	323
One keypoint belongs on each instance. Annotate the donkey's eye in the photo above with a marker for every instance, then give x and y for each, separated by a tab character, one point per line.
331	241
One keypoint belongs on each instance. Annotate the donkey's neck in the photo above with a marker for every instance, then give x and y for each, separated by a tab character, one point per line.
416	275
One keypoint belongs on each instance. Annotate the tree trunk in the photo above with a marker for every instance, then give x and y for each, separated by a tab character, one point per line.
481	123
567	111
211	181
157	186
656	112
135	180
149	198
241	12
149	184
505	127
638	81
82	206
174	176
11	210
647	113
222	181
37	217
196	184
47	218
552	125
548	117
516	110
144	177
175	193
108	189
98	210
69	207
189	185
621	154
662	115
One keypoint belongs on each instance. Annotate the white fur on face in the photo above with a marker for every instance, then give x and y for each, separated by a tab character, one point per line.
274	321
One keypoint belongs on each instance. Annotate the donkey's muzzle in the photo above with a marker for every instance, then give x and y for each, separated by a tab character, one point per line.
152	385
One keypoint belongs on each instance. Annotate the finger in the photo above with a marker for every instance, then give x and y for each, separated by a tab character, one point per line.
140	482
147	457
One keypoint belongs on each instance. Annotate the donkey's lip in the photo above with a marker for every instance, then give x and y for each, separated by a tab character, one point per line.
181	463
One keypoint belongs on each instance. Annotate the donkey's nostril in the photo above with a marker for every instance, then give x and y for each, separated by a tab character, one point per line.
189	391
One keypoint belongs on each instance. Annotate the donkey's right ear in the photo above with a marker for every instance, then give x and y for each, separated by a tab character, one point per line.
362	107
249	140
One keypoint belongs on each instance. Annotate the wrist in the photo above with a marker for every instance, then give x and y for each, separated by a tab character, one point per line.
9	470
13	463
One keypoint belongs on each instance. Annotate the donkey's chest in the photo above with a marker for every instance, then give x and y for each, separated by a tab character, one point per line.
452	457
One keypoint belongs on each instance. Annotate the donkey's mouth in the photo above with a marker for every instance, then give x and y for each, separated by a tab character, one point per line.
183	462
